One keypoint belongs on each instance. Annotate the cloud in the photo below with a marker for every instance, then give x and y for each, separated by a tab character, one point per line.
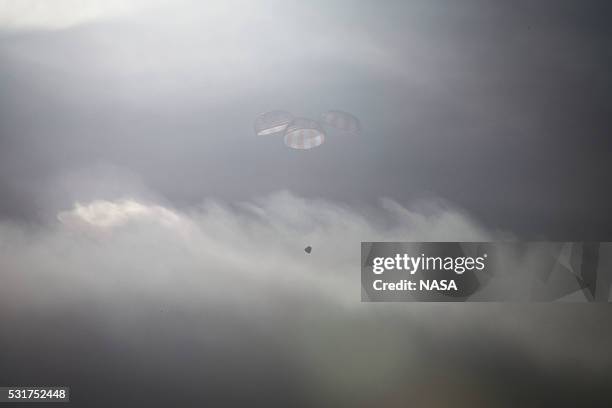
101	214
243	245
138	43
131	266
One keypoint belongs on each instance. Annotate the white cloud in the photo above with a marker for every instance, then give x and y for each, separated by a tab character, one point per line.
247	261
226	252
102	214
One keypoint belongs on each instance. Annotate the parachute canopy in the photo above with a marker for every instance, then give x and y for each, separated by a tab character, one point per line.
272	122
303	133
342	121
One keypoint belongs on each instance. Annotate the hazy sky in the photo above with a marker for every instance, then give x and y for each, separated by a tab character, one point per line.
502	109
482	120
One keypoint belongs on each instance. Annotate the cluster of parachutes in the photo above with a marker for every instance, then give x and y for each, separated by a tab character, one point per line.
303	133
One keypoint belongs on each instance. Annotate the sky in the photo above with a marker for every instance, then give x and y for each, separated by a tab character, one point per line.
503	110
149	237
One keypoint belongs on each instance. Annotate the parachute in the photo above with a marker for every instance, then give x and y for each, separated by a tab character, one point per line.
272	122
343	121
303	134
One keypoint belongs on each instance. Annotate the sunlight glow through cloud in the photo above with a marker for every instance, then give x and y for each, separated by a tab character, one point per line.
111	214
